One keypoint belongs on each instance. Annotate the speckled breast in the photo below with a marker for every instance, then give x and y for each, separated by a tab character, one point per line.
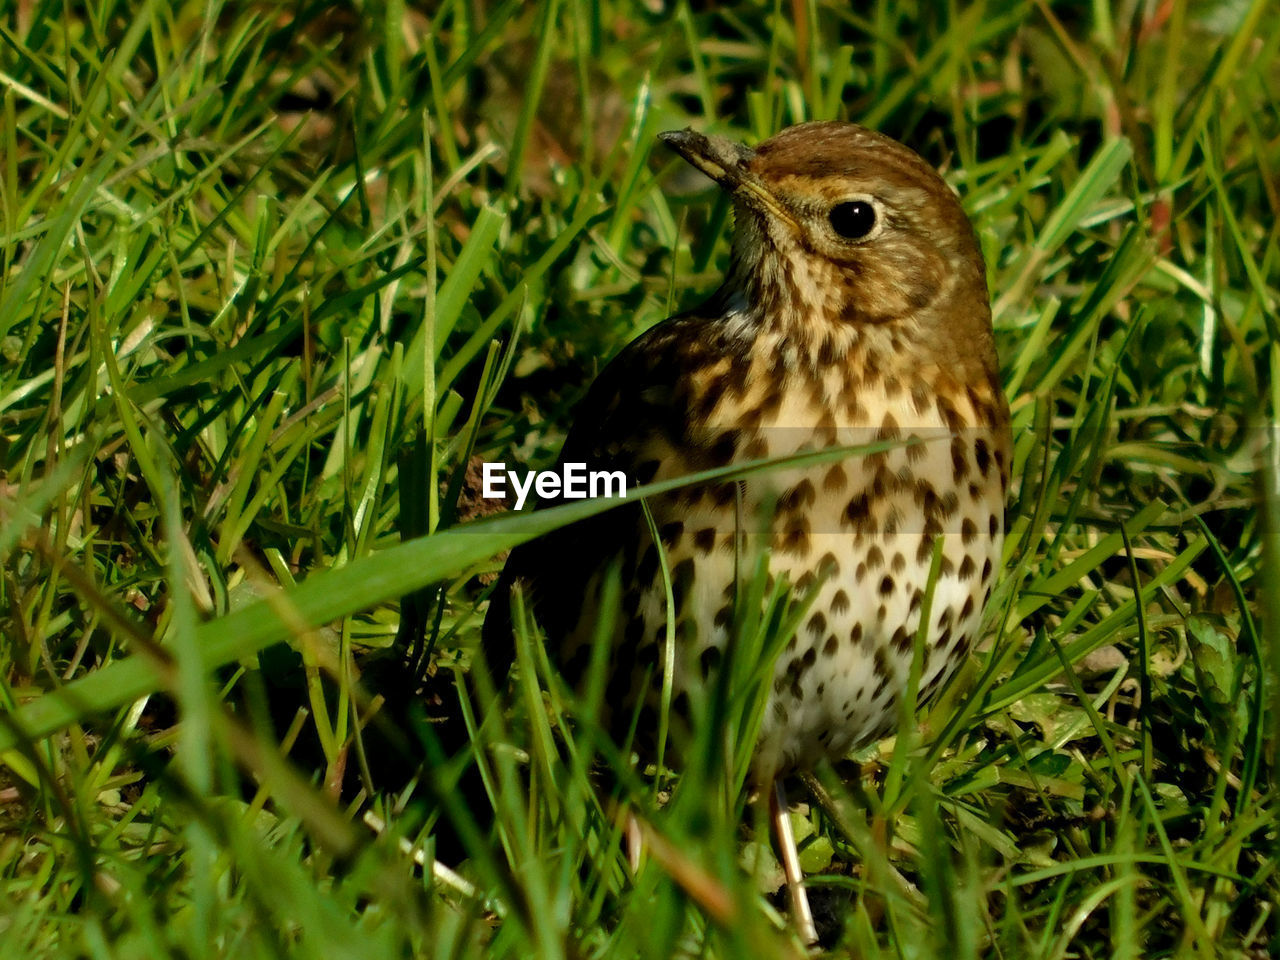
858	532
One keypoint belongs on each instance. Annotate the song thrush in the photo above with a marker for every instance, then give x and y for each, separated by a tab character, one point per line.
855	310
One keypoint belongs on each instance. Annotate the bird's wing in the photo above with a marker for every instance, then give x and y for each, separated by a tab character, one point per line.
636	408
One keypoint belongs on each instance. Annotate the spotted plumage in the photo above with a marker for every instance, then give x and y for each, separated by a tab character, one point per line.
855	312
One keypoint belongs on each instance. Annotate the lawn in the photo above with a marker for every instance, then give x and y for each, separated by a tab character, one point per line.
272	276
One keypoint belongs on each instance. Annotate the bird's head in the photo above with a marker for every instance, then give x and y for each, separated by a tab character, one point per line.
838	225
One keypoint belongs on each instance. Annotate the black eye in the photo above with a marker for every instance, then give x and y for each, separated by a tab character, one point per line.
853	219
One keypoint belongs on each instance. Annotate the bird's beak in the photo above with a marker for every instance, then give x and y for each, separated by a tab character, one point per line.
727	162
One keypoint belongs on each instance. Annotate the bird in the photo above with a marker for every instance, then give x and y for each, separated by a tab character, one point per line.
854	313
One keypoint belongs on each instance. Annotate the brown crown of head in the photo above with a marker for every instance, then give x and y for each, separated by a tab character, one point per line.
862	228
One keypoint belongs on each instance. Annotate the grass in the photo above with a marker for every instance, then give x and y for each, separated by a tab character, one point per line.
271	276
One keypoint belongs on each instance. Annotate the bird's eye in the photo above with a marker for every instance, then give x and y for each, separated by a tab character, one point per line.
853	219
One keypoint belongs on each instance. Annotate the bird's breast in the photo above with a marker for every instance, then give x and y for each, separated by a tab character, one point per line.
906	518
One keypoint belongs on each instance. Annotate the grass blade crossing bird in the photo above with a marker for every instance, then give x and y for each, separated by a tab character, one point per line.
855	310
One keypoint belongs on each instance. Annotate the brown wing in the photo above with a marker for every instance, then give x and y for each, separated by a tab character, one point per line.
638	404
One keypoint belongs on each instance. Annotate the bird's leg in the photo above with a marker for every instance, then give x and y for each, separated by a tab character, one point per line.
791	864
635	842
